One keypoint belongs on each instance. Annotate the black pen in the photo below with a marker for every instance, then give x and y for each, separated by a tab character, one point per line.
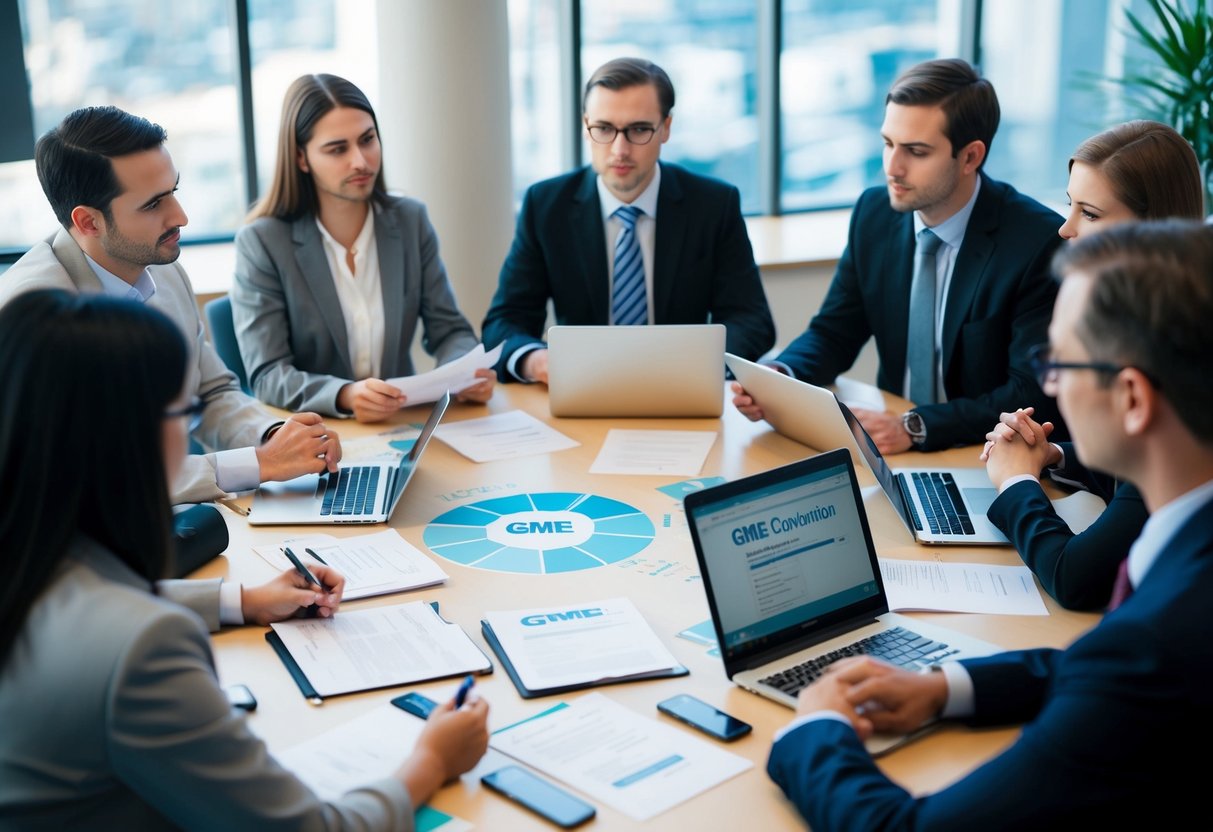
316	556
313	610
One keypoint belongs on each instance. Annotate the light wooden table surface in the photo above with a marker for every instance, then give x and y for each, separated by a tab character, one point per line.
663	582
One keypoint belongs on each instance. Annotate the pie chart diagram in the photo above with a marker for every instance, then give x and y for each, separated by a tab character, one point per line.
540	534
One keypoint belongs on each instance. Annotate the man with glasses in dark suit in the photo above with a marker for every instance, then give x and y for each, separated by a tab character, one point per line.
627	241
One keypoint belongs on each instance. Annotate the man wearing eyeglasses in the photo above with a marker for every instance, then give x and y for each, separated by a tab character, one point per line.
113	185
630	241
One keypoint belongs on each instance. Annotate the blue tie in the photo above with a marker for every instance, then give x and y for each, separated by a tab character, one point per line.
920	351
629	306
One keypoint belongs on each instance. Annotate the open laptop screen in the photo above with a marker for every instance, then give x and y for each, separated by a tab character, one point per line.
785	553
408	462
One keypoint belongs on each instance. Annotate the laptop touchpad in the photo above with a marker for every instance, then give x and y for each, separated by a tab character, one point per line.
979	499
304	486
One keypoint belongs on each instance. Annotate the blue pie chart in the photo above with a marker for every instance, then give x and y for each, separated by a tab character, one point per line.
540	534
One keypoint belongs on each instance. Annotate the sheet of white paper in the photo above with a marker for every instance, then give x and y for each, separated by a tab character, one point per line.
634	764
378	647
455	376
572	644
503	436
361	751
666	452
368	450
961	587
373	564
854	393
1079	510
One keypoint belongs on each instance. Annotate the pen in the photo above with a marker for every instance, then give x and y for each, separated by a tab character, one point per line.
307	576
234	506
461	695
316	556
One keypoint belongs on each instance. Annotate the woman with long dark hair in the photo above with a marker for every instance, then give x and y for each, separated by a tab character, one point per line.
112	713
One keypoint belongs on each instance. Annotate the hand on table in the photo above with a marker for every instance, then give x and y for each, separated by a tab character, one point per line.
481	391
302	444
886	430
534	366
1018	445
289	595
875	696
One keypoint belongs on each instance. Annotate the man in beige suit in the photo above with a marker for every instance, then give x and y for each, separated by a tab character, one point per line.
112	185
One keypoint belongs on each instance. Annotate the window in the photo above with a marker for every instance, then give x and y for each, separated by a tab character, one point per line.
539	118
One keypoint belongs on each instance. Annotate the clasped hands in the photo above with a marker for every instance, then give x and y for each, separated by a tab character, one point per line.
1018	445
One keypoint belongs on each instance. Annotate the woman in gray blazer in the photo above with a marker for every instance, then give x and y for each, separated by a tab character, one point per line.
333	274
113	717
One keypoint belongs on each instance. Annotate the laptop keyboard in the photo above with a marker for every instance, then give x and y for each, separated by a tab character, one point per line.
942	506
898	646
350	491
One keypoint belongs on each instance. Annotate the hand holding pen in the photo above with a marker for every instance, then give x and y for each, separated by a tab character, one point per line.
315	586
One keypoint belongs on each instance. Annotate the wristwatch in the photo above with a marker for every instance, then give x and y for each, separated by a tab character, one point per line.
916	427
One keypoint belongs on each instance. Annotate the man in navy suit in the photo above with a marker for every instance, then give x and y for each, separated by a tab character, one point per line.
1130	363
690	263
986	295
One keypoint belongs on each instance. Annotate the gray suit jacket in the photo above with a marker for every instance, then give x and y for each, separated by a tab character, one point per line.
288	317
114	719
231	419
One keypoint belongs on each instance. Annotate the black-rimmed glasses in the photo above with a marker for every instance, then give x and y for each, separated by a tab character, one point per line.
634	133
1040	357
193	411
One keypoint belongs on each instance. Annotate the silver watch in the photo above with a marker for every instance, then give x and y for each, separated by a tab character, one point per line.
915	426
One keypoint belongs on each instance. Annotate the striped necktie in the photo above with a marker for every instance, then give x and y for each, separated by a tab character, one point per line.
629	305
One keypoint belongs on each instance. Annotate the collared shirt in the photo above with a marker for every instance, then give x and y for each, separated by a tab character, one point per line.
646	232
951	233
360	293
231	467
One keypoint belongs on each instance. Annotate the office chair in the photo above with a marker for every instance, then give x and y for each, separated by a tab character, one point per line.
223	336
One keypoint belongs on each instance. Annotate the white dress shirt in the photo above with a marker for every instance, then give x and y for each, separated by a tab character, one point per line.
360	293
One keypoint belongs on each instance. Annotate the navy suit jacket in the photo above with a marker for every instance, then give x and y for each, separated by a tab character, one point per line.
998	307
703	265
1105	721
1076	569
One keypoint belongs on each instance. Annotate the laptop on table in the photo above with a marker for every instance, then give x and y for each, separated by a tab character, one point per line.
351	494
664	371
938	505
793	583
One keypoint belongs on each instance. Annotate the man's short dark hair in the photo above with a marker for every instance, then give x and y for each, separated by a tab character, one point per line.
622	73
1150	305
73	159
969	102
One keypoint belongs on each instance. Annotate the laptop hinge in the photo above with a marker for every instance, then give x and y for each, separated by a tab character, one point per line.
804	642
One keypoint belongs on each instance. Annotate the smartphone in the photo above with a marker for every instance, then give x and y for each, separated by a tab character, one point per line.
241	697
415	704
541	797
699	714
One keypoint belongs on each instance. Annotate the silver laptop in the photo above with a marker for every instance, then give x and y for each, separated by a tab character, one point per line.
351	494
793	582
675	370
938	505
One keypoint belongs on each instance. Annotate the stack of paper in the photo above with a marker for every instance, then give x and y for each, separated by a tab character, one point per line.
372	564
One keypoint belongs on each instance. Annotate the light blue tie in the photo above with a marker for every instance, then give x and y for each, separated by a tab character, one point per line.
920	351
629	304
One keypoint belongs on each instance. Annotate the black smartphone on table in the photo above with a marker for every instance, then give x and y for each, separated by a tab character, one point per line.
541	797
707	718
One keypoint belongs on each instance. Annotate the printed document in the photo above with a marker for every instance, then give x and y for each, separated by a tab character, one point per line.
455	376
578	644
375	648
503	436
960	587
632	763
670	452
373	564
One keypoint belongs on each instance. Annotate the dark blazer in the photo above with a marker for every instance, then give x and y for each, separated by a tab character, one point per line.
288	317
1105	719
1076	569
999	303
703	266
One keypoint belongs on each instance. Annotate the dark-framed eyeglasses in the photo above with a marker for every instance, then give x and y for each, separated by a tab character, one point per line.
634	133
192	411
1040	357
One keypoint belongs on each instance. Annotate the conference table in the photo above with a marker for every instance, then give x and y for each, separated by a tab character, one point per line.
662	580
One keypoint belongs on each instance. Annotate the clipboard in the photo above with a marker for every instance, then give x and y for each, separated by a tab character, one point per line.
534	693
313	697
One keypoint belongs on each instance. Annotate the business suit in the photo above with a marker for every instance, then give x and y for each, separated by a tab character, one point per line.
231	419
703	265
288	317
998	306
1076	569
135	732
1104	720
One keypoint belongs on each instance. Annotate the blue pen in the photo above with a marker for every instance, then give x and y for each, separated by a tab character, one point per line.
461	695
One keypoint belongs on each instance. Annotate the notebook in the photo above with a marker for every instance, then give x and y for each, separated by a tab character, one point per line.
351	494
602	371
792	581
938	505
